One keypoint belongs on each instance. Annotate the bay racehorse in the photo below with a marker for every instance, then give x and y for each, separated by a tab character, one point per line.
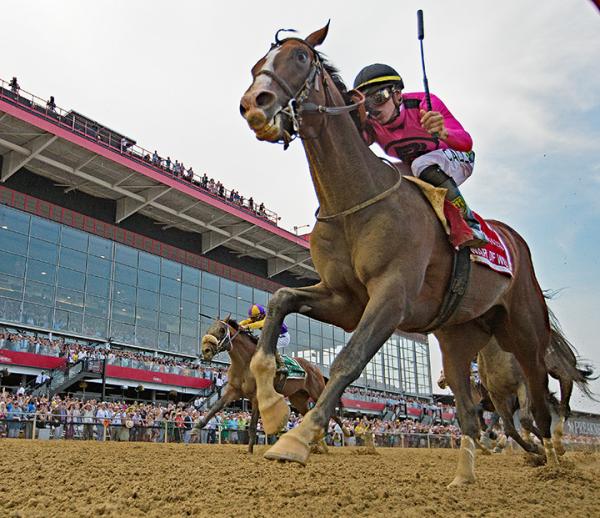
383	259
225	335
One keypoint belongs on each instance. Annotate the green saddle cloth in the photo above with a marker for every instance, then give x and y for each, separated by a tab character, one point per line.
295	371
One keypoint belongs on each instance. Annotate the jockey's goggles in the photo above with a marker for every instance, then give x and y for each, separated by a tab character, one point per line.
378	97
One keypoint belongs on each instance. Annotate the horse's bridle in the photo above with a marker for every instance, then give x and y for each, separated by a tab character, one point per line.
226	342
296	105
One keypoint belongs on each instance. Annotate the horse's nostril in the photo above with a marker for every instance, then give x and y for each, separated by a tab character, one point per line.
265	99
243	109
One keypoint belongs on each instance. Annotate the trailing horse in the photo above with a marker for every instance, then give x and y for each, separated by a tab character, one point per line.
225	335
383	259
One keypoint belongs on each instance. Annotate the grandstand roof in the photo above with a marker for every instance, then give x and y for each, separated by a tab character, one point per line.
68	149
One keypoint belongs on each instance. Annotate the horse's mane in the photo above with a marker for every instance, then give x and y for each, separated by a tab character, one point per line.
233	323
334	72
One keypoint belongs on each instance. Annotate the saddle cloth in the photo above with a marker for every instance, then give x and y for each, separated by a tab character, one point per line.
494	255
295	371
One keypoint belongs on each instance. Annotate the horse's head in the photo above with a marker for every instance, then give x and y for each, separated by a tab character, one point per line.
218	338
282	80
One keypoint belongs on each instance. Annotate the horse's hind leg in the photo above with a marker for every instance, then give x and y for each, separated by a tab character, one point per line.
566	388
459	345
504	409
520	336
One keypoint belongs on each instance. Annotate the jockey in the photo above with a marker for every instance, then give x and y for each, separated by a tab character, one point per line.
433	143
256	320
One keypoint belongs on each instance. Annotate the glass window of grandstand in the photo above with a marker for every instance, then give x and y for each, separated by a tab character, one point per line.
55	277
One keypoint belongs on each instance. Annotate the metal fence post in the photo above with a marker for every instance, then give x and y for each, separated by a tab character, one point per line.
34	426
166	431
429	441
402	440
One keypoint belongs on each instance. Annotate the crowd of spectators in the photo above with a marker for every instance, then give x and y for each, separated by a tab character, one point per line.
73	418
126	146
68	417
74	351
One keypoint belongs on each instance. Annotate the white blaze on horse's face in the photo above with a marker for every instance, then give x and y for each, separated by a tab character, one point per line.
262	81
259	104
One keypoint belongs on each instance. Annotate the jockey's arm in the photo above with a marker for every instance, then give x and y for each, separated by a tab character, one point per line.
250	324
439	120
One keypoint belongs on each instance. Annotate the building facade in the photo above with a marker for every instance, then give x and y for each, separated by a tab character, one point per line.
58	278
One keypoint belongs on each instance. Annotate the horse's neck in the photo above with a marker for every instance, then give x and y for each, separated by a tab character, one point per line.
242	351
345	172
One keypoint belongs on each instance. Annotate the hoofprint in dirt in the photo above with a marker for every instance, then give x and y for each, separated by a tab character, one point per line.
156	480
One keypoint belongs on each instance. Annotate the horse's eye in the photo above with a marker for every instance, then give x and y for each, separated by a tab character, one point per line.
302	57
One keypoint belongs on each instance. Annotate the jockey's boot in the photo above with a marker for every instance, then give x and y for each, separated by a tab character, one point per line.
436	177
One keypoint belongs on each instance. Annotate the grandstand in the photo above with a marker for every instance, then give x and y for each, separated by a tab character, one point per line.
106	250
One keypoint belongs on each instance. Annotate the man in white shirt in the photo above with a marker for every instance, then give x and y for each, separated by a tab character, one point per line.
100	416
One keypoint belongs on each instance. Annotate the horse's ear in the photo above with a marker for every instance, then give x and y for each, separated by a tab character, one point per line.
318	37
226	319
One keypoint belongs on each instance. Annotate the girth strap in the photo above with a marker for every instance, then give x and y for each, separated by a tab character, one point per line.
459	281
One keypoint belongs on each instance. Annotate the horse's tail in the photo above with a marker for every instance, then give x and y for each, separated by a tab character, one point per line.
562	359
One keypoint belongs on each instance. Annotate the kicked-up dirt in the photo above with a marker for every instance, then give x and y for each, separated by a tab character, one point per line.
69	478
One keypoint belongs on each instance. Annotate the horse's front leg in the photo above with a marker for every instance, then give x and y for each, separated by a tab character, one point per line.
230	394
252	428
459	345
315	301
381	316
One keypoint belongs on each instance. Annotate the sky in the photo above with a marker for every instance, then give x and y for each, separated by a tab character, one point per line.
521	76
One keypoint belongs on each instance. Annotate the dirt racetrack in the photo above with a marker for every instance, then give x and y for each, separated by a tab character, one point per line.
71	478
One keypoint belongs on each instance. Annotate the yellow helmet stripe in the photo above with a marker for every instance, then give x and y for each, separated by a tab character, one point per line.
379	80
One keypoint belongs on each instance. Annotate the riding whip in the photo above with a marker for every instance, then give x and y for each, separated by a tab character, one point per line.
421	35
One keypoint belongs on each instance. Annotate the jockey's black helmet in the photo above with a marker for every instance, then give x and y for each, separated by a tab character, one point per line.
377	74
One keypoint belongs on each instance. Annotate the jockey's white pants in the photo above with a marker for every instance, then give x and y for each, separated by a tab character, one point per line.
456	164
283	341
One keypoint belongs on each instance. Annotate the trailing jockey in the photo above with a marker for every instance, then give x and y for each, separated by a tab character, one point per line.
433	143
256	320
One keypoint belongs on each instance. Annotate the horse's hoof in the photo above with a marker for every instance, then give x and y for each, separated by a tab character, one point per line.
289	449
461	481
274	414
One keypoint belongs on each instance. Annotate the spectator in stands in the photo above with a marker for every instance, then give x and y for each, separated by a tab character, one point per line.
189	174
155	159
177	168
14	86
51	105
88	421
168	163
251	203
261	209
14	416
204	181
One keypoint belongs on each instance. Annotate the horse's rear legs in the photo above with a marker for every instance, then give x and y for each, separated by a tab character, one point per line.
529	350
